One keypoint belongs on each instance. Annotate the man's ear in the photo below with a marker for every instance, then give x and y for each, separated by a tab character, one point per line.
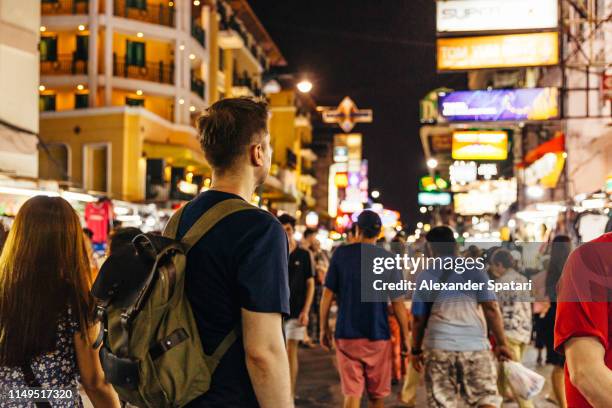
256	155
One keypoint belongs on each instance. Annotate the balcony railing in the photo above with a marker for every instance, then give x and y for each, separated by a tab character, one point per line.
65	64
51	7
162	72
246	81
141	10
198	33
198	87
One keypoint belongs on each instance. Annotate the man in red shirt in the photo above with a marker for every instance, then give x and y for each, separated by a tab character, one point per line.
583	328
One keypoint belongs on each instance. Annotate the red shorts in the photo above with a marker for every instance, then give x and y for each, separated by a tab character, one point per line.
364	364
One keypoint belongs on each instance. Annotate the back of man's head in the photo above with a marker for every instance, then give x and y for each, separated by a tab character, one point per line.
309	232
503	257
442	241
286	219
229	127
369	224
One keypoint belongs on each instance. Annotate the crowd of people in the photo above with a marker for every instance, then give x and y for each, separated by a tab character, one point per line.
248	271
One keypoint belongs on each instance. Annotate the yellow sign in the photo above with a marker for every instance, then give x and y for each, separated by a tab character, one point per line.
498	51
480	145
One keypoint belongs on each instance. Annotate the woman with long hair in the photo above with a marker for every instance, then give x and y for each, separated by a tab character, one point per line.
46	309
560	250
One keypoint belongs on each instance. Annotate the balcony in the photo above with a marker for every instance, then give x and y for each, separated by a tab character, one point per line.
65	64
198	86
59	7
162	72
245	82
198	33
143	11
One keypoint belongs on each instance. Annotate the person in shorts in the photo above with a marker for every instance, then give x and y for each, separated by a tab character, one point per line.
449	338
363	346
301	293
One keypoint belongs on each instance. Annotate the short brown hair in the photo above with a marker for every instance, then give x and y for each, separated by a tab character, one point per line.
228	127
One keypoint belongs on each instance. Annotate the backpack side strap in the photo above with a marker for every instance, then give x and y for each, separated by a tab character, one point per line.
210	218
213	360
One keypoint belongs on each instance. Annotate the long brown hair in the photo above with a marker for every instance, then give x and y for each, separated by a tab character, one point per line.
43	270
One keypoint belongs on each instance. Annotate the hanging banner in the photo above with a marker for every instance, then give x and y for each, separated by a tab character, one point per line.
500	105
498	51
495	15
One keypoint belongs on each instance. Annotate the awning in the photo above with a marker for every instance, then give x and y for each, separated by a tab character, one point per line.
177	156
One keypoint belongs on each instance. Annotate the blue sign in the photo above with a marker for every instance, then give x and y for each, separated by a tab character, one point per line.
500	105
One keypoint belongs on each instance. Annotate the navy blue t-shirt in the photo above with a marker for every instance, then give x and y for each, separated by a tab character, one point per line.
356	319
240	263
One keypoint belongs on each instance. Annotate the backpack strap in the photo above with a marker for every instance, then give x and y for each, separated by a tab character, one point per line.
213	360
173	224
210	218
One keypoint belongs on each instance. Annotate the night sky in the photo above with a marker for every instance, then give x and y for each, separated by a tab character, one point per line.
382	55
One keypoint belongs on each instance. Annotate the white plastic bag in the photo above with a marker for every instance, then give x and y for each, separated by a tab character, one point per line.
525	383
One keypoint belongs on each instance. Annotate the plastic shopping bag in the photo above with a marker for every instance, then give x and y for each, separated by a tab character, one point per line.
525	383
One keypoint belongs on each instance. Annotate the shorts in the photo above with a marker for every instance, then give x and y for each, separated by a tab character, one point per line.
364	365
293	330
472	374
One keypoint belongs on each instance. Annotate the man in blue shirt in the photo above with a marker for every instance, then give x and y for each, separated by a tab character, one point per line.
363	346
236	275
452	326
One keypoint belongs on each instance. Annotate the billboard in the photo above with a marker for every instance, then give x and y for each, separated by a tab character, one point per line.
480	145
500	105
495	15
498	51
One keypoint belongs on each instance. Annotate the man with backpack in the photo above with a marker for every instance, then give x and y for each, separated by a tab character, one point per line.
455	350
236	275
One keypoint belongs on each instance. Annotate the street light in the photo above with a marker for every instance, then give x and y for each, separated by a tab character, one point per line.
432	163
304	86
375	194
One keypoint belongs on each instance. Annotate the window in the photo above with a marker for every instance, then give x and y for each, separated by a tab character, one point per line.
137	4
134	101
135	53
82	48
48	48
46	103
81	100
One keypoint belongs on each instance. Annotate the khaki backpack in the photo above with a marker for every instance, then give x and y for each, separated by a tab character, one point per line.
151	350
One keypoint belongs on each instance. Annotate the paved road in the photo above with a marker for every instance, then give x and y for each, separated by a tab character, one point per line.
319	384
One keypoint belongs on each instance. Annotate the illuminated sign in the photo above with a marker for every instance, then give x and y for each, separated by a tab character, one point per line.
498	51
487	170
463	172
429	183
480	145
500	105
429	198
609	184
486	197
341	180
495	15
347	115
340	154
545	171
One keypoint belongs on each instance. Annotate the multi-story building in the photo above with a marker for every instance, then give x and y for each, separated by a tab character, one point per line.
123	80
19	22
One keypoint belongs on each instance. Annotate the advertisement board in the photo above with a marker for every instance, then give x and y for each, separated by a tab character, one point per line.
498	51
500	105
495	15
480	145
